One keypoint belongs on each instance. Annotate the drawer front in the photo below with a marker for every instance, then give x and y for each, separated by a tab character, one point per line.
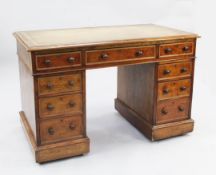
166	71
176	49
56	61
59	129
117	55
59	84
60	105
172	110
174	89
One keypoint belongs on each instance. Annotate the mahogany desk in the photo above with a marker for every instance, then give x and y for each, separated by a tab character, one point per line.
155	82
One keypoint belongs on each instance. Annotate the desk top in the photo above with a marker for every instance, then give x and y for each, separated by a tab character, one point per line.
62	38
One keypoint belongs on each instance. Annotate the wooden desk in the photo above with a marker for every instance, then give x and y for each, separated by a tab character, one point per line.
155	82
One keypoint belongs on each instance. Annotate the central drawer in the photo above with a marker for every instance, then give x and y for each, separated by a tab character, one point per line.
60	105
61	128
120	54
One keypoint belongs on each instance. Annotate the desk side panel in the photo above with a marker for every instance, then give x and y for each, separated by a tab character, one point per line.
27	86
136	89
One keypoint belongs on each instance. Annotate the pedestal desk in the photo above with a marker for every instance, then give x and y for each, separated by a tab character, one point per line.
155	82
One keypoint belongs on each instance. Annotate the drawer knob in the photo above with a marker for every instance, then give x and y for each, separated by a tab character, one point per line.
166	72
185	48
183	70
47	62
183	88
139	53
164	111
166	91
181	108
72	103
168	50
104	56
71	59
50	107
49	85
72	126
70	82
51	131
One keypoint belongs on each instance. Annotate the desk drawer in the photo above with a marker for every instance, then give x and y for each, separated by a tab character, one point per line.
166	71
172	110
61	128
57	61
59	84
174	89
60	105
117	55
175	49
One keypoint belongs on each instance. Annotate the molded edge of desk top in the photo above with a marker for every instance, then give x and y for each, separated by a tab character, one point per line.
93	36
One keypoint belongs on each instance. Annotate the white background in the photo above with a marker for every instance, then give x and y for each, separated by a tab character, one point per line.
116	147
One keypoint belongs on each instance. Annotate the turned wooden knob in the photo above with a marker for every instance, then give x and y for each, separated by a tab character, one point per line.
47	62
166	72
139	53
104	56
183	70
168	50
70	82
164	111
49	85
50	107
185	48
51	131
166	91
183	88
71	59
72	126
181	108
72	103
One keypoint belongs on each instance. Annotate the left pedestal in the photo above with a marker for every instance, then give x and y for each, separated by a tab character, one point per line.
53	104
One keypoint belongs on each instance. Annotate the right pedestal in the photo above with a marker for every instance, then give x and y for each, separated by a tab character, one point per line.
156	98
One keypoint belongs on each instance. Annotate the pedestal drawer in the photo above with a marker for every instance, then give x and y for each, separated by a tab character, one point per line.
172	70
59	84
172	110
172	89
60	105
61	128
